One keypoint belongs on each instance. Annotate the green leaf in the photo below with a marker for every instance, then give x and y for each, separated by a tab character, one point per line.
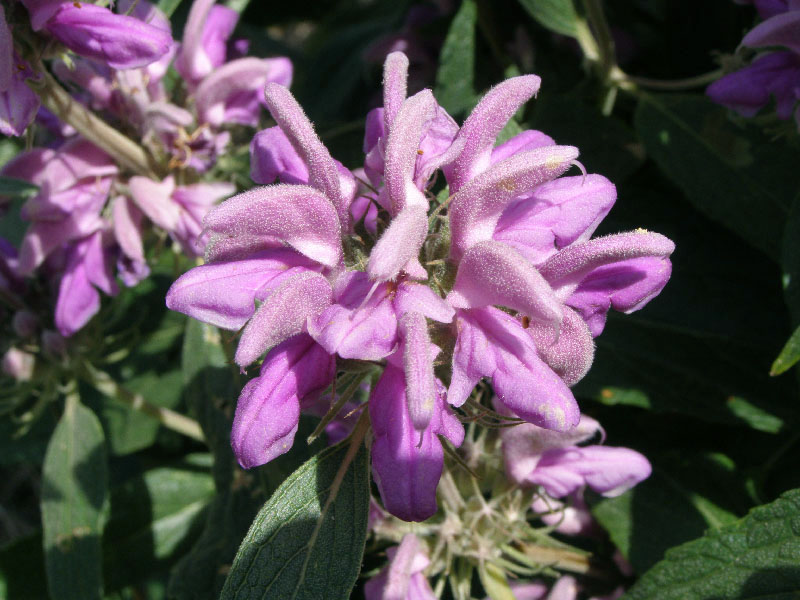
455	79
305	543
168	6
738	178
556	15
754	416
17	188
756	557
74	504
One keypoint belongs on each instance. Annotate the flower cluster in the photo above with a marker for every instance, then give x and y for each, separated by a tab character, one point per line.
775	73
369	272
89	217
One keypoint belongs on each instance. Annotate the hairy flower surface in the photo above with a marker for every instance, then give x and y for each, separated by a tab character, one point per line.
501	281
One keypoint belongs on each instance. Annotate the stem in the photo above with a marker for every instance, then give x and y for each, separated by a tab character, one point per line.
670	84
602	33
170	419
565	560
122	149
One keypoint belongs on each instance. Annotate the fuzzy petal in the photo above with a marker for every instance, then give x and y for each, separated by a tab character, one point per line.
414	297
476	208
120	41
484	125
399	245
608	471
780	30
401	151
418	368
268	410
232	93
272	157
322	169
529	139
572	354
492	273
353	328
407	464
395	76
283	314
297	215
557	214
224	293
492	344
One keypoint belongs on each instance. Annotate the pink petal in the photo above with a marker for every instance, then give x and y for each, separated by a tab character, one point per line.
297	215
476	208
399	244
283	314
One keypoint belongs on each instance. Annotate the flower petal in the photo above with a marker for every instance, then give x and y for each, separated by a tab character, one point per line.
475	210
224	293
418	368
273	157
557	214
268	410
395	77
283	314
492	273
322	169
492	344
485	123
399	244
297	215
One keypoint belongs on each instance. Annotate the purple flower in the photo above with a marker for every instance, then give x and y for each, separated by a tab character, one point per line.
403	577
18	103
516	297
554	460
771	75
120	41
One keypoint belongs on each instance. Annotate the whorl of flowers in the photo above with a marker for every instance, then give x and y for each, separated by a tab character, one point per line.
775	72
334	271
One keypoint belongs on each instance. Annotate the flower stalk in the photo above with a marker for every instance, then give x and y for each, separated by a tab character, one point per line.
125	151
170	419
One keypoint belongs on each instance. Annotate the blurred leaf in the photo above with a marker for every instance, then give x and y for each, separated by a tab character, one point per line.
305	544
790	261
738	178
168	7
754	416
556	15
16	188
756	557
237	5
455	79
153	516
74	504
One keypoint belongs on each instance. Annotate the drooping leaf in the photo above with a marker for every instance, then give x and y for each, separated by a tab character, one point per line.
74	505
455	79
557	15
737	177
756	557
306	543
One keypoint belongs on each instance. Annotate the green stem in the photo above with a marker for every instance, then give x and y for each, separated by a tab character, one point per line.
669	84
122	149
170	419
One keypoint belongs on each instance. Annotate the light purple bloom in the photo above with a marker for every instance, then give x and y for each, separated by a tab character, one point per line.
771	75
18	364
403	577
179	210
120	41
18	103
555	461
